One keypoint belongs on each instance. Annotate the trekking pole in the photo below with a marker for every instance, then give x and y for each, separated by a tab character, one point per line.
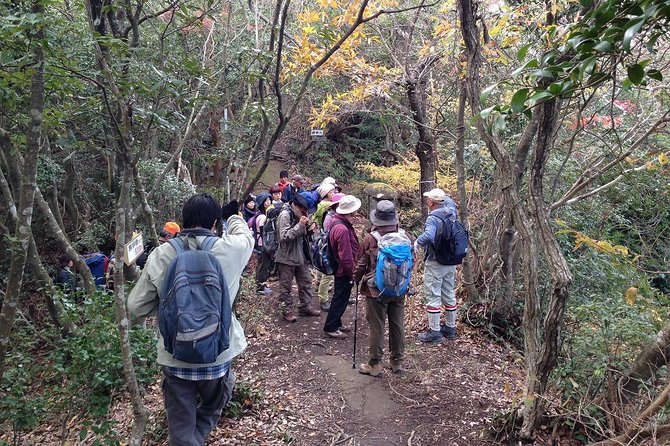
353	365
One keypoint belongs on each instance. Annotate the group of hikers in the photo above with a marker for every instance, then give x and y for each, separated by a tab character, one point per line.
191	279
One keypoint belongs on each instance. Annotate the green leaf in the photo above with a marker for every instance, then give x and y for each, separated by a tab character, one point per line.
587	67
500	124
655	74
633	27
486	112
540	95
543	73
518	102
604	47
486	93
521	54
533	63
636	73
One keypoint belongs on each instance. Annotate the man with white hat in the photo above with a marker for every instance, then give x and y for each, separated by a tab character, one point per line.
344	243
438	279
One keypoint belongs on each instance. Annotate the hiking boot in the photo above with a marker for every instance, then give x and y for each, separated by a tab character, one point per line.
396	368
448	332
325	306
264	291
289	317
309	311
372	370
337	334
345	329
273	278
432	337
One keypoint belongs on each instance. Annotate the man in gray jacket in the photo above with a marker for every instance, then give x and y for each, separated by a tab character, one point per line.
294	225
438	279
195	394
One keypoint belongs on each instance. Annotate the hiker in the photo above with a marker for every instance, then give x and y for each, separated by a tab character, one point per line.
384	219
195	394
344	245
65	279
265	257
249	209
283	180
169	231
275	192
293	189
438	279
97	262
292	259
325	207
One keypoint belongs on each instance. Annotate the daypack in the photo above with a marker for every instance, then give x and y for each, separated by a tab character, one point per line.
451	245
269	231
252	225
194	313
394	263
321	253
97	263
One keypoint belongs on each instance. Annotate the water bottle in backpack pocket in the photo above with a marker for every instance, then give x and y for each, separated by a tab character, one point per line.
394	263
194	314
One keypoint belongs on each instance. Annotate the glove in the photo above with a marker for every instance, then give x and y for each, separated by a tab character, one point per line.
231	208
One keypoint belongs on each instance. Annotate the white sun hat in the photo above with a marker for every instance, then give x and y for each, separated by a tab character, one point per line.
348	205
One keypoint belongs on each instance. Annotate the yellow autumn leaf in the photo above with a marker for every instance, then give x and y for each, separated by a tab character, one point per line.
308	30
619	249
651	166
663	159
605	246
631	295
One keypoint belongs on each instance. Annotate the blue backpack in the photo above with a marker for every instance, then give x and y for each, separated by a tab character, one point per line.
321	253
394	263
451	244
194	313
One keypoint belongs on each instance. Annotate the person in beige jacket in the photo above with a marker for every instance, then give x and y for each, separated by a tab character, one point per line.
195	394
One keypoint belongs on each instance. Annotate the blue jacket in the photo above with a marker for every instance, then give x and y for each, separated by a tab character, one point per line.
288	193
433	224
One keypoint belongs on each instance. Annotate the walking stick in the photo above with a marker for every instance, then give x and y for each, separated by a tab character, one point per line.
353	365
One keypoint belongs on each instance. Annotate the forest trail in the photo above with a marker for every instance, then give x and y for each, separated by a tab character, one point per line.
447	395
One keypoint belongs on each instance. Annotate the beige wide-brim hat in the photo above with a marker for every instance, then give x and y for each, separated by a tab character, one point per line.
348	205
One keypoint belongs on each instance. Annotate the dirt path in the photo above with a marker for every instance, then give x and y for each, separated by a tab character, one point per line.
312	396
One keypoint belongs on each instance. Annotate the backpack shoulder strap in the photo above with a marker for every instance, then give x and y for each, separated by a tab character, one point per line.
376	235
178	244
208	243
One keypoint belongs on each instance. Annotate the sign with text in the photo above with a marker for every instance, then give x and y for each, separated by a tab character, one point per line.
317	132
133	249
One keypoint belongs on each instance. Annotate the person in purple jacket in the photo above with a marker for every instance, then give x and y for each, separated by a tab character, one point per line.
344	243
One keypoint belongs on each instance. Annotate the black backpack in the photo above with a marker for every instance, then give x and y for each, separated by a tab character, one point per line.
269	231
451	242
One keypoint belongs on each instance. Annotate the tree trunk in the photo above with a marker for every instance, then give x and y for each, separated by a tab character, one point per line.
140	414
64	244
27	196
468	276
558	267
425	146
653	356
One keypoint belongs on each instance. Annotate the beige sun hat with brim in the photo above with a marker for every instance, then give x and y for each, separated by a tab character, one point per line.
348	205
437	195
384	214
324	189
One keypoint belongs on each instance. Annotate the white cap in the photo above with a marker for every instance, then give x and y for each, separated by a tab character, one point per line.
329	180
348	205
437	195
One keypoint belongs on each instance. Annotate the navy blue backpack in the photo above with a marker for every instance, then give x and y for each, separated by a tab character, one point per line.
194	313
451	244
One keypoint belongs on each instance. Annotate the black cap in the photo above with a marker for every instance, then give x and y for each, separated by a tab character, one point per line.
300	201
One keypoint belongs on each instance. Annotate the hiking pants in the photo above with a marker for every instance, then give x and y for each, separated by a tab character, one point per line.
377	312
193	407
341	296
303	278
438	281
263	269
324	283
